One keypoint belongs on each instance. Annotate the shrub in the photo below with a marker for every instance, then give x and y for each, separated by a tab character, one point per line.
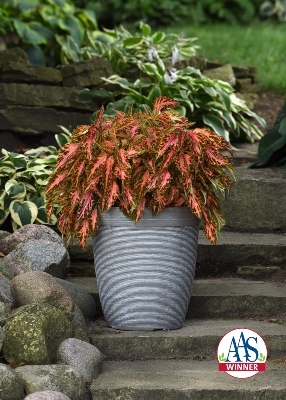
38	26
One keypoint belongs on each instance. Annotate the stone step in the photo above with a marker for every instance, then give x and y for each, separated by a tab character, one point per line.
184	380
255	201
197	339
232	250
222	298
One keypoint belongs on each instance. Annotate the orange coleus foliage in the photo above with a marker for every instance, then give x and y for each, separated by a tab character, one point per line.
149	159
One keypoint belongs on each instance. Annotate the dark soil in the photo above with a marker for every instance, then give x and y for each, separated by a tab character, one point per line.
268	106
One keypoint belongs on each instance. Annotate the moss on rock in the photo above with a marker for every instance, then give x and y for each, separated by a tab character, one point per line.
34	334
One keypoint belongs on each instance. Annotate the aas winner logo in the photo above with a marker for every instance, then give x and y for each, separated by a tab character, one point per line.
242	353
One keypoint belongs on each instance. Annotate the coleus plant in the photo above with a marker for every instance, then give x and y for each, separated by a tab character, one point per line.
152	158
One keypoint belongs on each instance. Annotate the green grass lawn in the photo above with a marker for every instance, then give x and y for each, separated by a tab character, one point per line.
262	45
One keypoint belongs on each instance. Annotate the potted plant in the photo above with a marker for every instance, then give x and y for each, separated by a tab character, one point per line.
141	184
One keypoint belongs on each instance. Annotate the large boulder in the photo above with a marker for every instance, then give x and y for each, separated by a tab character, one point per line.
82	356
6	270
26	233
41	288
5	292
39	255
79	325
12	387
81	298
47	395
61	378
34	334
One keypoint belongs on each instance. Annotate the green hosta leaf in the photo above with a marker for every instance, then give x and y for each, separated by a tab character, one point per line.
146	29
36	56
40	151
7	201
23	213
85	95
132	42
15	190
27	34
282	126
154	93
225	99
3	216
42	216
216	124
267	9
41	178
39	201
62	139
158	37
18	160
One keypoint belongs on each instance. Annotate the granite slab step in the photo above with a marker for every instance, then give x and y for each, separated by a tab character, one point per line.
197	339
232	250
185	380
222	297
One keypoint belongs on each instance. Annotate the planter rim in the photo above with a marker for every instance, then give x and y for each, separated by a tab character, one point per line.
170	216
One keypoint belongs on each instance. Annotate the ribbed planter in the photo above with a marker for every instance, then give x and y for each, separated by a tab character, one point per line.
145	271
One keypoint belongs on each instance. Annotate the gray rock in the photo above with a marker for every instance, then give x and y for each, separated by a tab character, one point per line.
42	96
5	269
80	297
80	334
34	334
39	255
5	292
13	54
4	234
224	73
41	288
62	378
4	312
36	120
11	385
82	356
78	318
26	233
86	73
47	395
2	337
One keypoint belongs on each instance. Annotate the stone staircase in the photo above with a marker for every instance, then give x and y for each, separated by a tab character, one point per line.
240	283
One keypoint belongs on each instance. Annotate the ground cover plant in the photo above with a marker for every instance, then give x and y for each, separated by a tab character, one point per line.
23	181
259	44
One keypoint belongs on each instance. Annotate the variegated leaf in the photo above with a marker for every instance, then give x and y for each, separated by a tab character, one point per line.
23	213
3	216
15	190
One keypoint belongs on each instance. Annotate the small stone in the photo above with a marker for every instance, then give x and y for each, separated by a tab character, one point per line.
80	297
82	356
47	395
61	378
41	288
39	255
4	313
2	337
12	387
5	292
26	233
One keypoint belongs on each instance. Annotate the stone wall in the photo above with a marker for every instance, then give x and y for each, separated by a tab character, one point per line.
35	100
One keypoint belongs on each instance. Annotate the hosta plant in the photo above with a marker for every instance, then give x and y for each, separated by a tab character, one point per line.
23	181
153	158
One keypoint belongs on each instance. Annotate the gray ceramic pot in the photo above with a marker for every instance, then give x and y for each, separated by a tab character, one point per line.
145	271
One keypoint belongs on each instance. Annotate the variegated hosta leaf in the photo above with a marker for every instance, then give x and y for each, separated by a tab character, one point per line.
40	151
7	201
3	216
63	138
18	160
41	178
15	190
23	213
39	201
